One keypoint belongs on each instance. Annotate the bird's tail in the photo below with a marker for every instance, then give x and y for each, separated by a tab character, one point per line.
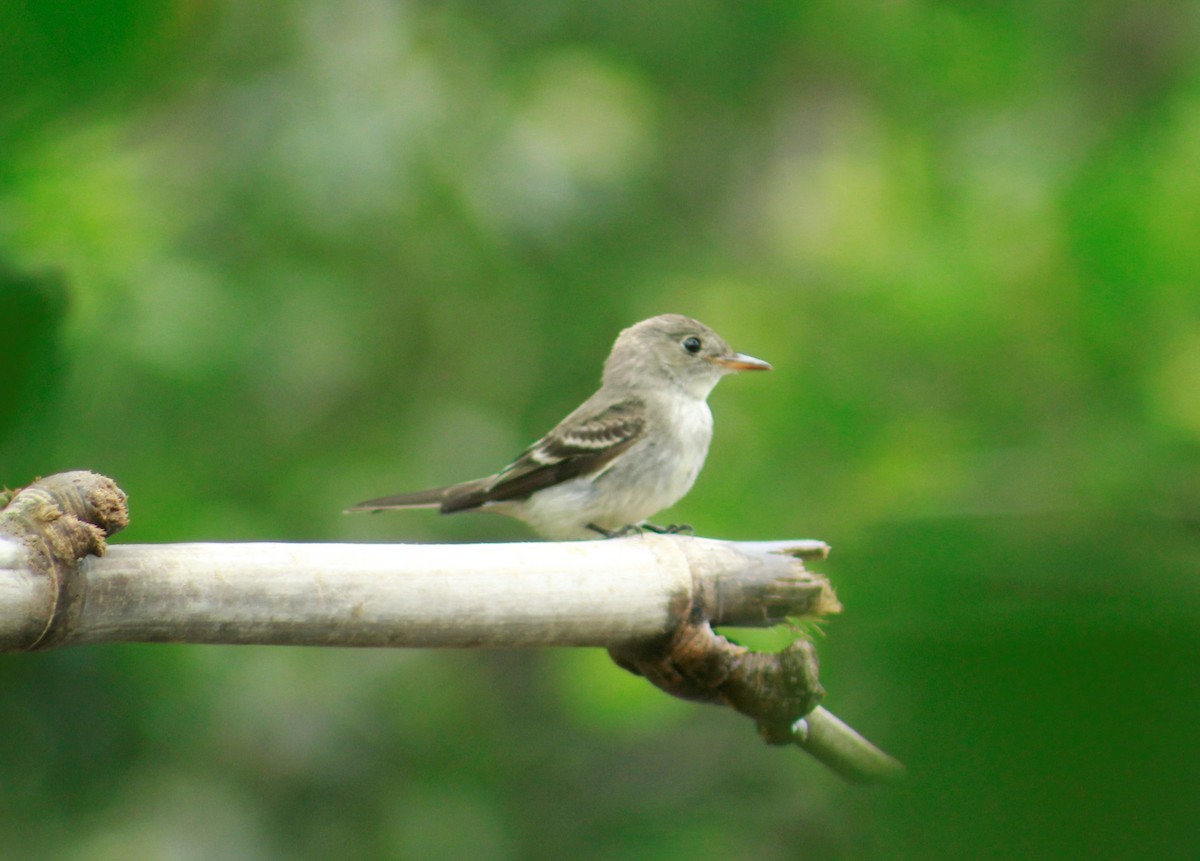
436	497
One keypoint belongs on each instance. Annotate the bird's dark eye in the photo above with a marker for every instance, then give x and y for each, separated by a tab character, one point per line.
692	345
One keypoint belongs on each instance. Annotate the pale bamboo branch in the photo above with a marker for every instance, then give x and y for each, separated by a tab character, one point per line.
650	599
596	593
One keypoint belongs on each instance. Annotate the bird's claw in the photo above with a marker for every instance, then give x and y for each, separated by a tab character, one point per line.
628	529
636	528
672	529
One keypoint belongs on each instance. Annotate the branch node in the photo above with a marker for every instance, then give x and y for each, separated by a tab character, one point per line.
59	520
698	664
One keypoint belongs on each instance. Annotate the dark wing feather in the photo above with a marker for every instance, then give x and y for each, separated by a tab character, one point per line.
581	445
433	498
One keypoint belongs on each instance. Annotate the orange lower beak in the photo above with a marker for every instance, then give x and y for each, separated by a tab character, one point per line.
741	362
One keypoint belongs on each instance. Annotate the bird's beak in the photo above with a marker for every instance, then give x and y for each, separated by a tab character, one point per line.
741	362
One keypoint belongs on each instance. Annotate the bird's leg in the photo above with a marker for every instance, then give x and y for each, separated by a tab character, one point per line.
673	529
630	529
635	528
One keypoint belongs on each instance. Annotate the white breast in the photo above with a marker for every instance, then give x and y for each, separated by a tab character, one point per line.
651	475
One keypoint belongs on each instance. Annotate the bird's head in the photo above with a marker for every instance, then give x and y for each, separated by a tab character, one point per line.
676	351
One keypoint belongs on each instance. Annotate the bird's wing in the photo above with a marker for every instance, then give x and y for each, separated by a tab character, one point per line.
585	443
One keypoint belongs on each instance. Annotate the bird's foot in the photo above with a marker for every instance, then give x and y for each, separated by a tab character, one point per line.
672	529
635	528
628	529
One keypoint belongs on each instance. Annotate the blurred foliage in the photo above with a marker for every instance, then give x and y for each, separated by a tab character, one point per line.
259	261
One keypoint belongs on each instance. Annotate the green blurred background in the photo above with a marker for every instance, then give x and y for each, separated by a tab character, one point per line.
260	261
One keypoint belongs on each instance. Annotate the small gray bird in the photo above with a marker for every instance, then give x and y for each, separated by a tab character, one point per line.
633	448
